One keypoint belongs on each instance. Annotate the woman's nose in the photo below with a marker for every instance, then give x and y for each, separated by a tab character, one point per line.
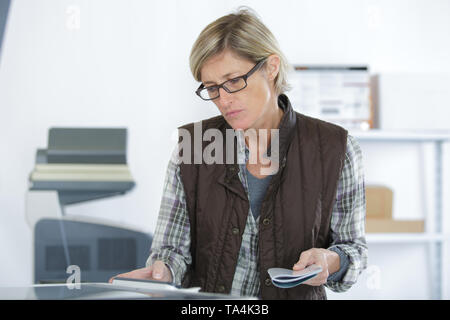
225	98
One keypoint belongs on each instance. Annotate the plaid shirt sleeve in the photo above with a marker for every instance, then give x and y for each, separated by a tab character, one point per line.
348	218
171	240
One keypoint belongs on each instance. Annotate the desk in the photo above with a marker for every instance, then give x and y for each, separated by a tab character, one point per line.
101	291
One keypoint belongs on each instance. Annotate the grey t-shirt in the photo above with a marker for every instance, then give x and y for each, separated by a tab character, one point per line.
256	189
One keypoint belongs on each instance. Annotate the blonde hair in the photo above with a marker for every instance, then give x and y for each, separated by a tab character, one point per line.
244	34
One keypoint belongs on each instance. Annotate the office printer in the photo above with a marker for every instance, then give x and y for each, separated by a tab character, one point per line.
79	165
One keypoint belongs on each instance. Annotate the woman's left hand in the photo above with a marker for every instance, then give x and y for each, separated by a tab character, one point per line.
327	259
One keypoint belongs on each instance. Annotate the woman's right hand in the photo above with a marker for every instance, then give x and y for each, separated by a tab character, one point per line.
157	271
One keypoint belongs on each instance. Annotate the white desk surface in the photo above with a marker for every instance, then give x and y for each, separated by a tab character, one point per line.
99	291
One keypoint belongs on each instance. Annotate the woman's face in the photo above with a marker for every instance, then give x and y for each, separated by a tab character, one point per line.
249	108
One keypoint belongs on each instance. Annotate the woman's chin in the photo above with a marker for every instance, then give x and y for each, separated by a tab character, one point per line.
238	125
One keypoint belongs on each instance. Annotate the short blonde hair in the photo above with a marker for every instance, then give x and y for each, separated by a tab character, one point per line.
244	34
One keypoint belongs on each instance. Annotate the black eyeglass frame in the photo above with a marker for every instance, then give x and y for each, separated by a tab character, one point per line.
218	86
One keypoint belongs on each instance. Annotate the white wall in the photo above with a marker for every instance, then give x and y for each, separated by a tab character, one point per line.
125	63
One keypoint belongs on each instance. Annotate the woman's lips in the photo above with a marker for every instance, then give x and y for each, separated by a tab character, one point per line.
232	113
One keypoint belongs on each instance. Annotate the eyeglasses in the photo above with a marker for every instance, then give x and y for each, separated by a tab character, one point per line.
230	86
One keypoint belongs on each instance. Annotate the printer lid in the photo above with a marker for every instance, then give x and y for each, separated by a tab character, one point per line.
83	164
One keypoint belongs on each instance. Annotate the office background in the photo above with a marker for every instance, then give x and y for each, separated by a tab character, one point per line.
108	63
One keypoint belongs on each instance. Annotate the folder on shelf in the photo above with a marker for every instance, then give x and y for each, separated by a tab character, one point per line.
379	202
379	219
393	226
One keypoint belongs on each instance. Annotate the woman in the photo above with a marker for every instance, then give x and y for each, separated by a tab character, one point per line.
222	226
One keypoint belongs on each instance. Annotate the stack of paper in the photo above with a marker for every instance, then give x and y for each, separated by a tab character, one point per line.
287	278
152	285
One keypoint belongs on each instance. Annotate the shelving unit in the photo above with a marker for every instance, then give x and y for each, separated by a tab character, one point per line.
404	237
434	238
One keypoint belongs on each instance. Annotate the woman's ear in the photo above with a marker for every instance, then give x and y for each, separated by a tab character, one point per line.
272	66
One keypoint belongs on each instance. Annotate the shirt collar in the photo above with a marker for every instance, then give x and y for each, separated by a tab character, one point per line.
286	130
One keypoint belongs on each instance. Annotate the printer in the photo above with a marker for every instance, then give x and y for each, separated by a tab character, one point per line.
79	165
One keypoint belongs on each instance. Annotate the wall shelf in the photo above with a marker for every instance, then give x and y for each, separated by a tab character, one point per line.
374	238
401	135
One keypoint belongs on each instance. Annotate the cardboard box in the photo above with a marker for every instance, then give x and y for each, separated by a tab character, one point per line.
388	225
378	202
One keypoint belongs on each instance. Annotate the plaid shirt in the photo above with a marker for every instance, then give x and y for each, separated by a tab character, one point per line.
171	241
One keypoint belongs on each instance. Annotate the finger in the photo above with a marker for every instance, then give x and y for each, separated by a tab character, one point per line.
142	273
119	275
318	280
312	283
303	262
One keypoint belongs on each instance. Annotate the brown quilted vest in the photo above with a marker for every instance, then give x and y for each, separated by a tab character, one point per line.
295	213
